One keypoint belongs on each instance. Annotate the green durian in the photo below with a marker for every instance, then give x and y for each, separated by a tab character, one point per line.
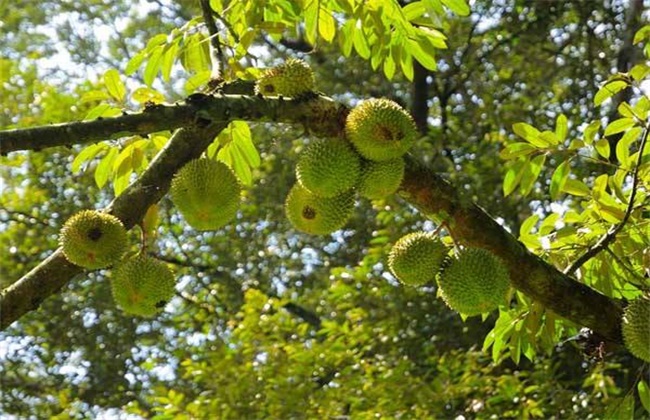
636	328
207	193
380	129
328	167
380	179
93	239
416	258
142	285
317	215
474	282
292	78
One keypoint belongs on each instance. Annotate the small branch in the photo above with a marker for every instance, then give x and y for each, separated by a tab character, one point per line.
610	236
217	56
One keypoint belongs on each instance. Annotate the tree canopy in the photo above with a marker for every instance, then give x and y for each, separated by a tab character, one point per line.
532	130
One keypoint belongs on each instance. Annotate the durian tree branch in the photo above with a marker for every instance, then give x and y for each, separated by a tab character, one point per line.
199	109
471	225
421	187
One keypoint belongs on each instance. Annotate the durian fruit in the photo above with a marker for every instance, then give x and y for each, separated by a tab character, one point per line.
328	167
380	179
636	328
474	282
292	78
142	285
380	129
416	258
207	193
317	215
93	239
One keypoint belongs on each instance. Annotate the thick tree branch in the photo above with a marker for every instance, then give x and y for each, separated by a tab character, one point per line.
471	225
198	109
421	187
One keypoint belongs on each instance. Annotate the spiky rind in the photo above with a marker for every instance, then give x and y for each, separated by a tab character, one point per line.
474	282
636	328
207	193
328	167
292	78
380	179
142	285
317	215
380	129
415	258
93	239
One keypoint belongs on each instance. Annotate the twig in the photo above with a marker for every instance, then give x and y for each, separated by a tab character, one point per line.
610	236
217	56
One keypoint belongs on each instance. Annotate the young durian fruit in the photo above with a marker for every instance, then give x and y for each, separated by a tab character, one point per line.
328	167
317	215
142	285
292	78
474	282
93	239
380	129
207	193
636	328
380	179
415	258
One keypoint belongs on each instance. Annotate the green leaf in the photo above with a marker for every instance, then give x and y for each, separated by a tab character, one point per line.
623	146
602	147
531	173
644	394
326	25
518	149
361	43
591	131
513	176
168	58
530	134
153	66
346	37
86	155
528	225
559	178
105	167
621	408
561	127
114	85
640	72
135	62
619	125
459	7
642	34
426	58
626	110
576	187
145	94
608	90
102	110
196	81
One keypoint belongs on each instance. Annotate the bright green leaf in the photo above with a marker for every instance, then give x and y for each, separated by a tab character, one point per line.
87	154
591	131
576	187
459	7
514	150
618	126
608	90
559	178
644	394
105	167
561	127
602	147
114	85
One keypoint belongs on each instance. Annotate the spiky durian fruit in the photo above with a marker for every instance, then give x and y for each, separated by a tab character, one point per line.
207	193
328	167
380	179
416	258
142	285
380	129
474	282
93	239
317	215
636	328
292	78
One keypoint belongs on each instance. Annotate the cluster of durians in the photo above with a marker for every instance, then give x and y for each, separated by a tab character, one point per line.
472	282
367	161
141	285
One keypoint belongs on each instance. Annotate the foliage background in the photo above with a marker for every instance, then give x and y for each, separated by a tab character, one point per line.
268	322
